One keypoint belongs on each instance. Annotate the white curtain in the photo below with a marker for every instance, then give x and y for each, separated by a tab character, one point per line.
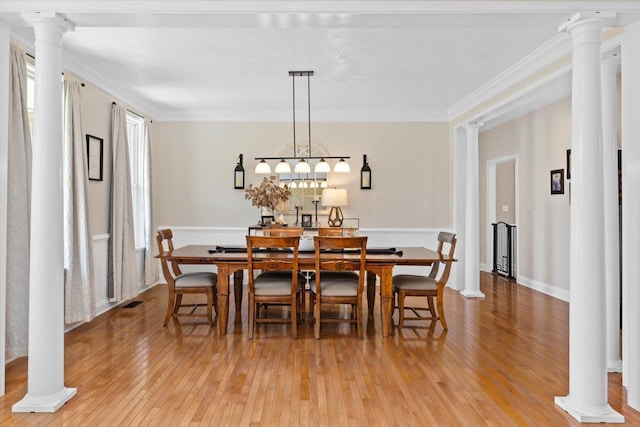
18	209
122	255
79	302
151	245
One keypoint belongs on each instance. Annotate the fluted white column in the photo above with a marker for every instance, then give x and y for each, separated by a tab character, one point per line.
631	213
587	399
45	383
472	216
609	69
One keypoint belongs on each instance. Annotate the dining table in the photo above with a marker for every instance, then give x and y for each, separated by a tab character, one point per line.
232	260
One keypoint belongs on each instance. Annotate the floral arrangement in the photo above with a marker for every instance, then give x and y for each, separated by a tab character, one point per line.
268	194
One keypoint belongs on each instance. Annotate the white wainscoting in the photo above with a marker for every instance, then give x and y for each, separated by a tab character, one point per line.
101	271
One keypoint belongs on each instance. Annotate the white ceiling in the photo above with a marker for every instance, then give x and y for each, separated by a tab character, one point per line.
224	60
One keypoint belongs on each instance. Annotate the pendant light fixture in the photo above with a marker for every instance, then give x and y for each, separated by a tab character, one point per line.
302	165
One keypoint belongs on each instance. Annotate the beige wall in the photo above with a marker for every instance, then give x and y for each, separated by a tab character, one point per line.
193	166
96	121
506	192
540	139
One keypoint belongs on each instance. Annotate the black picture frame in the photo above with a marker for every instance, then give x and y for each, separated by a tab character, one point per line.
569	164
95	157
557	181
267	220
307	220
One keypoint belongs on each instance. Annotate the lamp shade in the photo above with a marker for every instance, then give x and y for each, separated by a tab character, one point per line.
302	167
263	167
283	167
334	197
322	167
342	167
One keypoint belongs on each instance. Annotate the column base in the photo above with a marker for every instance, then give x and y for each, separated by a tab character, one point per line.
614	366
472	294
604	414
50	403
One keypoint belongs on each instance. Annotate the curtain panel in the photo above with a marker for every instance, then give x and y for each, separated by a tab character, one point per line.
79	300
18	209
122	283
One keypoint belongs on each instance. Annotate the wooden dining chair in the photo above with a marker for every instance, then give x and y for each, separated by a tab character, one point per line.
180	283
283	231
267	288
337	231
331	285
430	286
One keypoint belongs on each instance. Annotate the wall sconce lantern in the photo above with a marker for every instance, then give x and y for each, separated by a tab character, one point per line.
238	175
365	174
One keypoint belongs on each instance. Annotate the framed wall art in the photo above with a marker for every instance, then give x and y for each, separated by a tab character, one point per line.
95	157
557	181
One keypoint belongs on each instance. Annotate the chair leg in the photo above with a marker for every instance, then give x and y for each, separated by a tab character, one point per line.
170	303
359	320
178	303
316	311
210	306
441	310
215	300
431	307
401	308
252	315
294	317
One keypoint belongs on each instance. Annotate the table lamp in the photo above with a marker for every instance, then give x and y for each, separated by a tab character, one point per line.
335	198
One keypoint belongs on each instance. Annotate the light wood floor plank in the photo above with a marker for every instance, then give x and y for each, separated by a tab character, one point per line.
501	363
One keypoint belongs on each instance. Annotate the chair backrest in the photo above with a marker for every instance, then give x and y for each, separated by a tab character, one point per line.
337	231
283	231
165	245
268	253
339	254
444	238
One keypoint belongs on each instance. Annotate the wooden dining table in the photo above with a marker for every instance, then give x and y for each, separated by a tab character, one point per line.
379	263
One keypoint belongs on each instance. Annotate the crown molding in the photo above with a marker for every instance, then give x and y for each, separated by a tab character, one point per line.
318	6
101	81
542	57
170	115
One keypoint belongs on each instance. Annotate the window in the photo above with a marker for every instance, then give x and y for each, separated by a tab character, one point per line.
135	129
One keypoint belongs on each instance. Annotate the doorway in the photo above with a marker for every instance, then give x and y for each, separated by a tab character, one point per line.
502	198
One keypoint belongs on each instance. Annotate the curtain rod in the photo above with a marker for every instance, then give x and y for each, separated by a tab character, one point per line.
132	112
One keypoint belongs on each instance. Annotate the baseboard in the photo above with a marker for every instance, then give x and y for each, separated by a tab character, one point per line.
553	291
485	267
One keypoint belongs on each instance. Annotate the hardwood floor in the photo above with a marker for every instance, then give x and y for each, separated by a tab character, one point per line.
501	363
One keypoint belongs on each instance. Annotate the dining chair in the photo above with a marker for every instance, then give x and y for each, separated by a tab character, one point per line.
430	286
337	231
271	254
283	231
331	285
180	283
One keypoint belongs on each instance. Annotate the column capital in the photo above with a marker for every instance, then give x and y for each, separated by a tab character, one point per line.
584	18
473	125
59	20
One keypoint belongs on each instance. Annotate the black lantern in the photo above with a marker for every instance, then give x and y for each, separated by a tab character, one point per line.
365	174
238	175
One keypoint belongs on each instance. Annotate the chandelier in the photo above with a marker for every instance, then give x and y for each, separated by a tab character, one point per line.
302	165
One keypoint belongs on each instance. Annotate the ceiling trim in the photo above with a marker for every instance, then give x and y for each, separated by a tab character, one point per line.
171	115
312	6
545	55
545	90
